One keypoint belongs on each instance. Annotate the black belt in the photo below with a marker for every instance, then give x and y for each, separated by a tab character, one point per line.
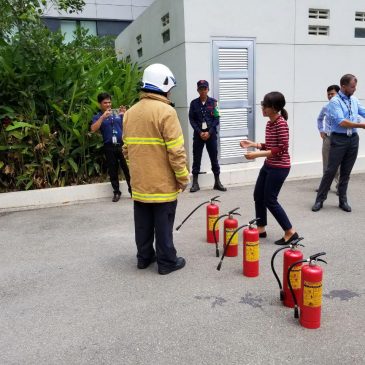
343	134
112	144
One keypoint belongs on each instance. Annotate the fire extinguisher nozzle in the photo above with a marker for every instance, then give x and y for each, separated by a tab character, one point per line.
296	312
217	252
219	266
282	295
178	227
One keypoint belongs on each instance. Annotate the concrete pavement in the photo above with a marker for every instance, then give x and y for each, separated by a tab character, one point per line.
70	292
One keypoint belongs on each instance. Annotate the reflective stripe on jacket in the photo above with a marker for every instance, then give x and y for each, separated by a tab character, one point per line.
154	150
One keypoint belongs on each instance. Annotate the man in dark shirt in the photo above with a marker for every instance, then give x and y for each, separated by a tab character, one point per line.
109	122
204	118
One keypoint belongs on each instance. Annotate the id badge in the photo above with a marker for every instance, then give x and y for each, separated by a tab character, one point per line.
114	139
204	125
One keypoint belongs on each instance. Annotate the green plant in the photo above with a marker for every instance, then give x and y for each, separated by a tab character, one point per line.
48	95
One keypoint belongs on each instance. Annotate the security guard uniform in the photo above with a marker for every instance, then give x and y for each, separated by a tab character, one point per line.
204	117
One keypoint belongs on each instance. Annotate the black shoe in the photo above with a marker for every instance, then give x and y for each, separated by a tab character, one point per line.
116	197
282	241
317	206
195	187
217	184
141	264
262	234
180	263
344	206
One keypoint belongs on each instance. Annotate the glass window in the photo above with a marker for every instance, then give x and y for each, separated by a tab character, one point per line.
67	28
90	25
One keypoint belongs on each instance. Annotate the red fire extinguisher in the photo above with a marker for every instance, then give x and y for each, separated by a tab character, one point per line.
212	215
311	302
291	255
251	250
230	224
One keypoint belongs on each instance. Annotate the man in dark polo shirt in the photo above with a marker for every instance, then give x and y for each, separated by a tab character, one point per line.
110	124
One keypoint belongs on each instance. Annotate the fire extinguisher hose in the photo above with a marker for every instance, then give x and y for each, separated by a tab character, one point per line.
231	212
214	199
215	236
227	245
274	271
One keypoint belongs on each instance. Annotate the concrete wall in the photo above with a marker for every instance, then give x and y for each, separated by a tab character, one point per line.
287	59
105	9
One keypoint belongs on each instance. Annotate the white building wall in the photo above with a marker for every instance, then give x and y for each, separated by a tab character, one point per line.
105	9
287	59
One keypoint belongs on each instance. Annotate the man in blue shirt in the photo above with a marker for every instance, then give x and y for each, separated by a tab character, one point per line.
109	123
344	110
324	128
204	118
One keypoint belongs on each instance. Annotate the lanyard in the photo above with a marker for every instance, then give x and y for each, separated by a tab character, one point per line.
348	106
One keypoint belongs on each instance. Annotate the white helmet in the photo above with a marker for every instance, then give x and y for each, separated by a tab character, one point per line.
158	77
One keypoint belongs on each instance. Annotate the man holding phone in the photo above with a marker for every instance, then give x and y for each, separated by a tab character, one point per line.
110	123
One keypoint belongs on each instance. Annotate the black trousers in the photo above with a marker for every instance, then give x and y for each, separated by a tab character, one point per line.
267	189
114	158
155	220
212	148
343	153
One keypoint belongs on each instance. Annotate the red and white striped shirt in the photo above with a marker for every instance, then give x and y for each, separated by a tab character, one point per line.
277	141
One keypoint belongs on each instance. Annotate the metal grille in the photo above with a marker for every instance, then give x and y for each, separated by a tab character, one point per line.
318	30
233	119
230	147
233	59
360	16
319	14
233	89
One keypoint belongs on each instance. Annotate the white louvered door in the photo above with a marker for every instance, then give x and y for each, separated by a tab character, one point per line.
233	87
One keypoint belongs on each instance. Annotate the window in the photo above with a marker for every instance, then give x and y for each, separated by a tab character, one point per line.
360	16
139	39
166	35
318	30
319	14
165	20
139	52
94	27
359	32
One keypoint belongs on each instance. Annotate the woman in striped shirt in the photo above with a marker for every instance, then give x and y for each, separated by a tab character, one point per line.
276	166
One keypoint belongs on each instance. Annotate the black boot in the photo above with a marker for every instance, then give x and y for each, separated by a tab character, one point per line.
195	187
217	184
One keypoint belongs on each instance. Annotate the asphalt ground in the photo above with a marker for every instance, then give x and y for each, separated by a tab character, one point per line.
70	292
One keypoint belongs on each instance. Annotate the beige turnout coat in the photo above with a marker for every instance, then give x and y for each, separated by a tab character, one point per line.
154	150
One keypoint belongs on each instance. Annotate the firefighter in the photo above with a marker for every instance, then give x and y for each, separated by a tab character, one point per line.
154	150
204	118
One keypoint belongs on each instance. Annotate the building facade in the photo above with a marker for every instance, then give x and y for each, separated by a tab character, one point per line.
100	17
245	49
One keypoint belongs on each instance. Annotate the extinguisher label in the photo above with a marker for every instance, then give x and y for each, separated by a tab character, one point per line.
229	232
252	251
312	294
296	277
211	221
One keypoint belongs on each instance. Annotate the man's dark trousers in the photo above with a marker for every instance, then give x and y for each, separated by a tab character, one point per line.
343	152
155	220
212	148
114	157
